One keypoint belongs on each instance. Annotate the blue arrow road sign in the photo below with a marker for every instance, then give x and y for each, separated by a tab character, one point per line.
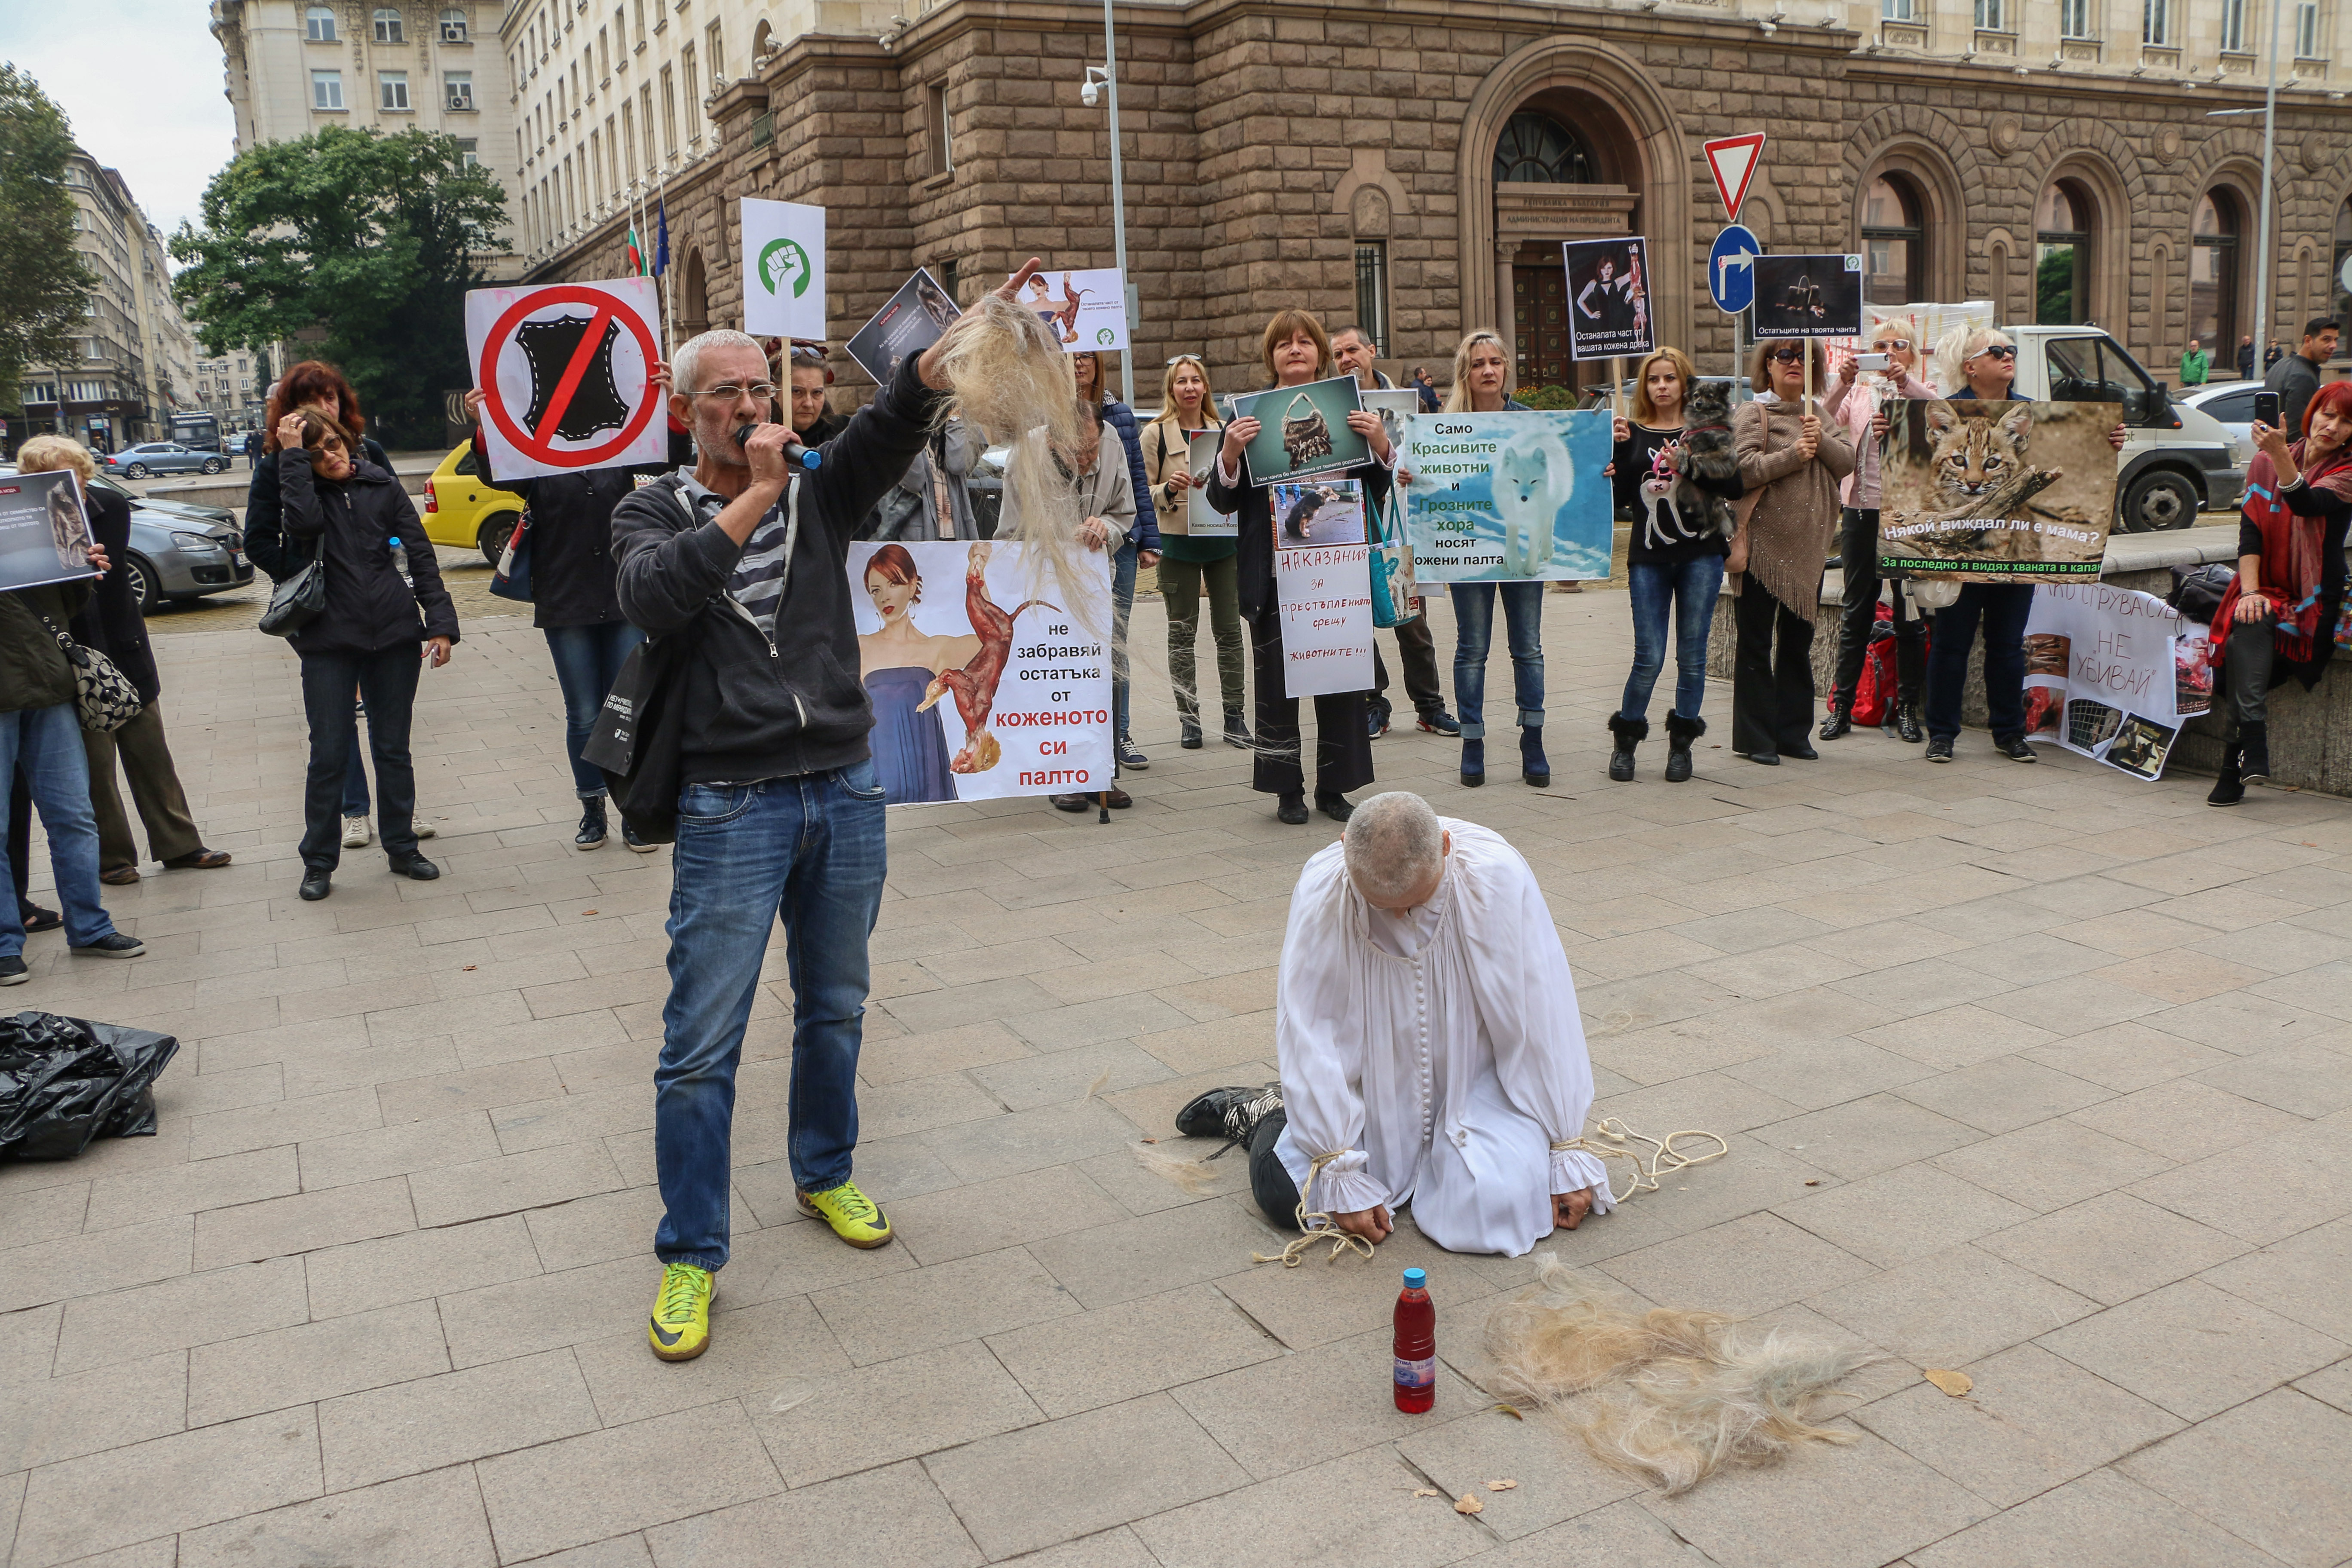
1731	270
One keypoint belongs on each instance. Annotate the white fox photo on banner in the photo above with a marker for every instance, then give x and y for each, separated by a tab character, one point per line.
982	684
784	270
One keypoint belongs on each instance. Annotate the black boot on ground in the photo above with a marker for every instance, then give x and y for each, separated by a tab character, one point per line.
1290	809
2255	742
1534	766
1906	724
1191	738
1474	763
1237	730
2230	787
593	827
1680	733
1629	734
1232	1114
1839	720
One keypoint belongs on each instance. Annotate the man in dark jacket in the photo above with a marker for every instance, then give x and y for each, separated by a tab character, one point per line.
40	732
779	806
2297	375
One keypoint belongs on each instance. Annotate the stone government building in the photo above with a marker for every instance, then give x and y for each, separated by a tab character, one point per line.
1415	163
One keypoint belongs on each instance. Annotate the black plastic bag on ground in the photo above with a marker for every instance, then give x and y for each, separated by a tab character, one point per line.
64	1082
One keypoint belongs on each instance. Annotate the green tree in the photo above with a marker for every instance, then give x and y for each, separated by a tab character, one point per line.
361	246
45	287
2053	286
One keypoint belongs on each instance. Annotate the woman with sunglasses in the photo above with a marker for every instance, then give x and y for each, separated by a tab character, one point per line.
1980	364
1797	461
1854	403
1186	564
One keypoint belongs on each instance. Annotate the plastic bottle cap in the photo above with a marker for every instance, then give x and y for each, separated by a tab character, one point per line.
814	461
1415	1279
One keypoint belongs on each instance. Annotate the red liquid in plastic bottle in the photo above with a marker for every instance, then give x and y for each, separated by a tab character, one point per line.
1416	1345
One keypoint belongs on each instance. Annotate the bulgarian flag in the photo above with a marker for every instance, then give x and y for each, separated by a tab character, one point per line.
637	254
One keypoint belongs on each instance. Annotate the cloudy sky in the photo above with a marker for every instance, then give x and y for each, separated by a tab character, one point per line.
141	80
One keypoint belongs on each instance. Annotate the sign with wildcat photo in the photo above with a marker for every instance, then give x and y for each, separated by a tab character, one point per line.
1509	498
984	682
1302	430
1608	298
44	530
1808	297
2111	673
1995	492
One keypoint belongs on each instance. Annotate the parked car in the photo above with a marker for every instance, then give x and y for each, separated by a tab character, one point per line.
465	512
161	457
2232	405
178	550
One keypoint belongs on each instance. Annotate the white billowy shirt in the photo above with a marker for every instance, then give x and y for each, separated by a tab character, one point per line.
1439	1051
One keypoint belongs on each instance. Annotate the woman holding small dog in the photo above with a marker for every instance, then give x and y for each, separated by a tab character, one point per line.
1674	559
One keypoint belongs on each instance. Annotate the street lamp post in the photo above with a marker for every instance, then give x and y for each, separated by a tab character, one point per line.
1110	78
2269	111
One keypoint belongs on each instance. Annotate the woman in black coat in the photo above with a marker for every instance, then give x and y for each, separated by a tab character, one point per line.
1296	351
345	515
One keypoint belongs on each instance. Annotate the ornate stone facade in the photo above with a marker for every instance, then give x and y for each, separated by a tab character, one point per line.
1270	148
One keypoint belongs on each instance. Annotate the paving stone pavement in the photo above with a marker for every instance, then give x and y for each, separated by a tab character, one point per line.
2040	1073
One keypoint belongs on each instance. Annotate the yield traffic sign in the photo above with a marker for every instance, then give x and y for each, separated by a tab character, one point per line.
1731	270
1733	161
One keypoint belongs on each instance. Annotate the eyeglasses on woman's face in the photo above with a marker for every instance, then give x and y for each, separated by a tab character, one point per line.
1996	351
1786	356
1896	345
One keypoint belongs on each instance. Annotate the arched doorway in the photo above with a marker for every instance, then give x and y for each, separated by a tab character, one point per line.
693	297
2214	264
1894	241
1538	150
2062	223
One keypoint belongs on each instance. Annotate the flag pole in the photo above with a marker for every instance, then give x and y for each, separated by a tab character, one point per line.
669	302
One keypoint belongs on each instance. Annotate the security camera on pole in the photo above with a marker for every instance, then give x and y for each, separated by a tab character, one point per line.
1106	76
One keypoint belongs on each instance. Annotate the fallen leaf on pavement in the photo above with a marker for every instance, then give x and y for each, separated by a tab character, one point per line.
1510	1410
1813	1184
470	968
587	911
1502	1485
1469	1503
1427	1491
1955	1384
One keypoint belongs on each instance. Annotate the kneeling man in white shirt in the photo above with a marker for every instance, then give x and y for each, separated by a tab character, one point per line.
1430	1047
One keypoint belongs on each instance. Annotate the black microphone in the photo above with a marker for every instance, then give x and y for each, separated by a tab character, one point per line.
795	455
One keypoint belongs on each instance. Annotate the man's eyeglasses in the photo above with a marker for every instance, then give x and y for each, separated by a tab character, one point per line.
1997	351
764	392
1785	356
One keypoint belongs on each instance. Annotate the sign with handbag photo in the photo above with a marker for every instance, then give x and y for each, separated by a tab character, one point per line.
1202	520
1302	430
44	530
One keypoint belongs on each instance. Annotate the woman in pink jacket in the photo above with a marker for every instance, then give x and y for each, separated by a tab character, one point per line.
1853	403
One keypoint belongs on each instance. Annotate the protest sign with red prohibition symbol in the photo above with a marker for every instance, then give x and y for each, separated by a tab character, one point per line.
568	372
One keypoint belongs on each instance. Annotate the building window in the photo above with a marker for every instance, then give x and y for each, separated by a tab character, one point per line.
318	25
2155	23
2062	255
2233	27
387	25
1899	10
2074	19
326	89
2213	268
669	112
391	90
629	139
938	129
2307	31
711	53
1373	289
1893	243
604	53
454	27
693	95
41	392
1536	147
457	89
645	119
1989	17
468	152
88	391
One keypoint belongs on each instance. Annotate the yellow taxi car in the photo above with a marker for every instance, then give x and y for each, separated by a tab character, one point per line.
464	511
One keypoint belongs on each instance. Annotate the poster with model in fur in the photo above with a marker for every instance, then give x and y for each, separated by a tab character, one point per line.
1608	298
1085	310
44	530
984	684
1508	497
2111	673
1996	492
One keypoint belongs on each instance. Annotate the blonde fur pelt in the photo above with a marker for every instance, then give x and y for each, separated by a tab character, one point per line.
1667	1396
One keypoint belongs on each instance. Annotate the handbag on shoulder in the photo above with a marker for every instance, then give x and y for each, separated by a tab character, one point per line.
297	602
512	579
104	699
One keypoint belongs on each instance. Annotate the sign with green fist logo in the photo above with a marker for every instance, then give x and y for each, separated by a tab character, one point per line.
783	254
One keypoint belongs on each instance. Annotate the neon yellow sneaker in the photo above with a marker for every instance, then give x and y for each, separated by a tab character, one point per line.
681	1329
855	1217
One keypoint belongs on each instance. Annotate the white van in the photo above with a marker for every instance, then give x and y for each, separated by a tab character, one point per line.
2177	459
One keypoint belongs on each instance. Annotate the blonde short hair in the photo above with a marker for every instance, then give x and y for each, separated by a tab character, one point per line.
1457	396
43	454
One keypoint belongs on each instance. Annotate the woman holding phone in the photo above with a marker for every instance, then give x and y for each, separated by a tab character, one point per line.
1187	562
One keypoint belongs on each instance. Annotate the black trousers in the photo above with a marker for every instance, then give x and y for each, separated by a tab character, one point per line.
20	838
387	684
1418	649
1270	1181
1858	614
1343	744
2246	659
1771	674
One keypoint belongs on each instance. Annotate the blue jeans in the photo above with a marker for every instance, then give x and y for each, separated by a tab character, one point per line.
587	660
1688	590
46	743
809	848
1474	621
2004	607
1123	603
